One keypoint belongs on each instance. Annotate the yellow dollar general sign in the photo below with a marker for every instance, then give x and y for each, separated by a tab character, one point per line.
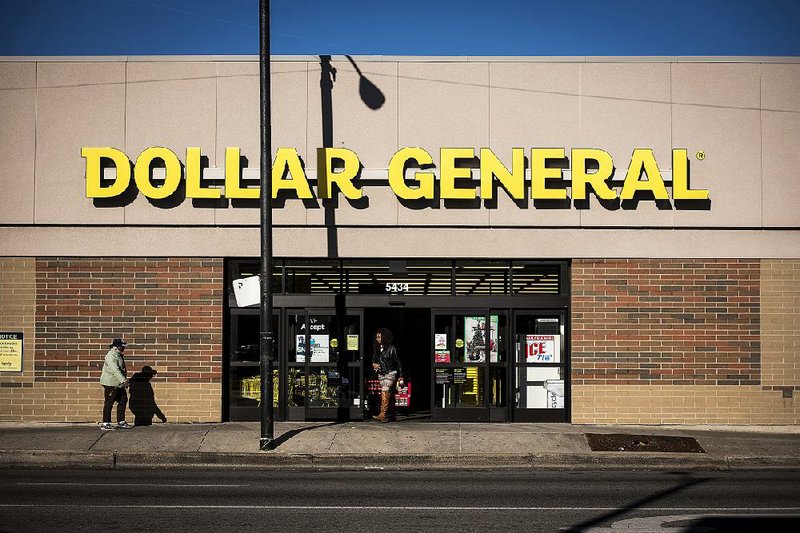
454	181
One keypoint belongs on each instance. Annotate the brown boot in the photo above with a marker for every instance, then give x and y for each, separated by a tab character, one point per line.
384	406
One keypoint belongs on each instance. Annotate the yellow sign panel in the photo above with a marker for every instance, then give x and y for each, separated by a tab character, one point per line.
352	343
591	171
10	352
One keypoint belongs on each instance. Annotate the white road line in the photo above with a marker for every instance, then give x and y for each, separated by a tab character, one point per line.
70	484
399	508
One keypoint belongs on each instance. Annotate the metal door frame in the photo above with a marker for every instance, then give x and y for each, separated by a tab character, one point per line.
537	414
486	412
339	412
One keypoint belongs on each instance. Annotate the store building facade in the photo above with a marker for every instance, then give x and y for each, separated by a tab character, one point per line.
665	291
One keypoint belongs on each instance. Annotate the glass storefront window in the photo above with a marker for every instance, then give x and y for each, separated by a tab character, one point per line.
317	341
499	385
462	339
323	386
482	277
539	388
534	278
296	394
397	277
401	277
541	367
245	335
245	383
319	276
460	387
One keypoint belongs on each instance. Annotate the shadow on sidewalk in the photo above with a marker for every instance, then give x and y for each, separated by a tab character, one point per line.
293	432
142	402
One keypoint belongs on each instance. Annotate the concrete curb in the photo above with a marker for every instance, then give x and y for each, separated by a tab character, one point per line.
396	462
55	459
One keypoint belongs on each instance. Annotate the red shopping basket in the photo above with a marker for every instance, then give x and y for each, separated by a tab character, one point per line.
402	396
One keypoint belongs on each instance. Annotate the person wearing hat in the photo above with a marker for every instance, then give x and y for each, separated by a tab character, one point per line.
114	380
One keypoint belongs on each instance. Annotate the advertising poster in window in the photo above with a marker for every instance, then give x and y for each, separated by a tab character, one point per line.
475	335
441	356
300	348
543	349
444	376
320	348
440	341
319	342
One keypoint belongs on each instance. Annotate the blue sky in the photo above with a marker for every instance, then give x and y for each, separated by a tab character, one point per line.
415	27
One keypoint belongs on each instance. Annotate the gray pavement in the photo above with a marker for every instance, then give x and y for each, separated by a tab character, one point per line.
407	444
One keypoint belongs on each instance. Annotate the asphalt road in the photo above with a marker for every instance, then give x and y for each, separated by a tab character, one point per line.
194	500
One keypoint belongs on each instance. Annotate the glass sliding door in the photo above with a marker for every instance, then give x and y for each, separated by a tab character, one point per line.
469	365
323	365
244	370
541	370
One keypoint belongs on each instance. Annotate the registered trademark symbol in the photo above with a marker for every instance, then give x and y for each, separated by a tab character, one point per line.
700	155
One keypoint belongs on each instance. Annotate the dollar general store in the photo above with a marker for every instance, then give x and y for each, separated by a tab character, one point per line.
550	239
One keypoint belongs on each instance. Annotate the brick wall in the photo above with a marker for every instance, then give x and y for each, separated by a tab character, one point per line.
665	322
658	341
17	315
169	310
780	325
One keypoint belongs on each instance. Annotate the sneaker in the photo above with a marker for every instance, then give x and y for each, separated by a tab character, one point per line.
124	425
106	426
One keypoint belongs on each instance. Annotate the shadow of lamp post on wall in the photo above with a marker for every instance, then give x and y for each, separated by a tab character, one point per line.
372	97
369	92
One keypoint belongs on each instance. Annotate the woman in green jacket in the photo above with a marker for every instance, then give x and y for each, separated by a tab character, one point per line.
114	380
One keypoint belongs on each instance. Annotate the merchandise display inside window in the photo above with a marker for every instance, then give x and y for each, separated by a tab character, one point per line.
246	386
459	387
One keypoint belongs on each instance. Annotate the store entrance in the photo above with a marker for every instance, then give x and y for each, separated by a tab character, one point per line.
412	338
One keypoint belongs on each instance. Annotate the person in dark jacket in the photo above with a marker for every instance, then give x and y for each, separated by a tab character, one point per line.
390	372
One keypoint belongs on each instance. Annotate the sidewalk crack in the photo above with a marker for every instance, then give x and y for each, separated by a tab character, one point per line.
102	434
215	426
334	437
459	438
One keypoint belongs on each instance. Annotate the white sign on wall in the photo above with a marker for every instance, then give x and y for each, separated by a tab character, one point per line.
247	291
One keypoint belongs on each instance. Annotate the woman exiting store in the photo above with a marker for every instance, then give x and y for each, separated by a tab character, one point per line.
390	372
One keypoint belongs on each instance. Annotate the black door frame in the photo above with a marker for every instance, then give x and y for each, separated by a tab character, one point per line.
535	414
344	410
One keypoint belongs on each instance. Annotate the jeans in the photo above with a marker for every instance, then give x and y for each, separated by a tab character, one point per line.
114	394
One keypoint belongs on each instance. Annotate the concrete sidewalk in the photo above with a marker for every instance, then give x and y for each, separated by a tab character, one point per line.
403	445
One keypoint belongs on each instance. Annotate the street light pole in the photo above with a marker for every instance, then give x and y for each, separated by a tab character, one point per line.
267	334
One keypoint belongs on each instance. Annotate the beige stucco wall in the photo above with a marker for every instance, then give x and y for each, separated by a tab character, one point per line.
743	114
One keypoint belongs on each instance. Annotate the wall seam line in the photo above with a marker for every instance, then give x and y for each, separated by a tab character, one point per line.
35	133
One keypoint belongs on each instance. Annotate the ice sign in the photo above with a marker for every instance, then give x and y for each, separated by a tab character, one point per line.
543	349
